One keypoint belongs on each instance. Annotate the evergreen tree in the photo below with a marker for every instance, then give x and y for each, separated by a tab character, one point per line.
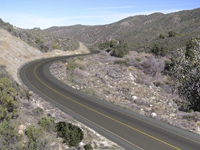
187	73
71	134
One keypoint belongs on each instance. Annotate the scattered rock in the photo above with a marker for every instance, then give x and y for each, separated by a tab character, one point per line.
21	129
153	115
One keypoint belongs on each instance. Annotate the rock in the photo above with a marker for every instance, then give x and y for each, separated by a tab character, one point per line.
153	115
134	97
21	129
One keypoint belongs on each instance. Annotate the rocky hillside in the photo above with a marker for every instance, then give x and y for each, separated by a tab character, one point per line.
14	52
138	31
39	39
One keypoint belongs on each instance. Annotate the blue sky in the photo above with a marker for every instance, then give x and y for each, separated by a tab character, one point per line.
47	13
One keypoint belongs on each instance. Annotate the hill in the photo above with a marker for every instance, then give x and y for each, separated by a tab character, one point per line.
139	31
14	52
40	39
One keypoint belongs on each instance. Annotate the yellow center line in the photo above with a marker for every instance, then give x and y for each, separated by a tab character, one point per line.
102	113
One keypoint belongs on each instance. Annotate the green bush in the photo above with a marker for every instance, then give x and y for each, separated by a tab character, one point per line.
189	50
88	147
37	139
55	46
8	99
161	36
71	134
159	50
33	132
9	138
121	62
172	33
73	64
117	48
47	123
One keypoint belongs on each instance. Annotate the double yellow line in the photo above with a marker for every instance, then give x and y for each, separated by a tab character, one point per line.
102	115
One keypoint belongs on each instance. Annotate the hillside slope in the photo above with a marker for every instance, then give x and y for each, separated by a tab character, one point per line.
14	53
138	31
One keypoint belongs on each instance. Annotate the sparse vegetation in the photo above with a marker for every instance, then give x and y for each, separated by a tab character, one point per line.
116	48
40	39
118	77
141	33
34	136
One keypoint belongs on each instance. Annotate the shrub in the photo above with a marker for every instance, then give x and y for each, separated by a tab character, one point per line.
159	50
8	99
54	46
9	138
37	139
172	33
33	133
189	54
118	49
73	64
88	147
121	50
121	62
71	134
161	36
153	66
47	123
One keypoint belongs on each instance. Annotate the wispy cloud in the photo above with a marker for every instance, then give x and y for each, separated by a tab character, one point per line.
142	6
109	8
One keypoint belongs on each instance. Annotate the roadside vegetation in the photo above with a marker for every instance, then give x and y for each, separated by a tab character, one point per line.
158	84
38	134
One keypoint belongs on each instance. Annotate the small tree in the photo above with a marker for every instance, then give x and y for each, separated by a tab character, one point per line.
8	99
189	50
161	36
121	49
187	73
71	134
172	33
159	50
9	138
88	147
118	49
47	122
36	139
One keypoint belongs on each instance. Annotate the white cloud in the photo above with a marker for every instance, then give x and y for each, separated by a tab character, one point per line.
142	6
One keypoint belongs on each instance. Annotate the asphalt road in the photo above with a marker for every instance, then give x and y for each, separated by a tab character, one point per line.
128	129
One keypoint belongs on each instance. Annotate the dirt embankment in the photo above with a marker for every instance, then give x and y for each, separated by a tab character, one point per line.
14	53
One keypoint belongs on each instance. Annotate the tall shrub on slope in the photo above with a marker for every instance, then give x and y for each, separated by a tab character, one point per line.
187	73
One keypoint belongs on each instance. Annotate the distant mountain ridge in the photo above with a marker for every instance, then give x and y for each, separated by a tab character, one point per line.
138	31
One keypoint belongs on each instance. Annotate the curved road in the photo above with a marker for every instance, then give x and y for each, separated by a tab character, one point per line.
128	129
